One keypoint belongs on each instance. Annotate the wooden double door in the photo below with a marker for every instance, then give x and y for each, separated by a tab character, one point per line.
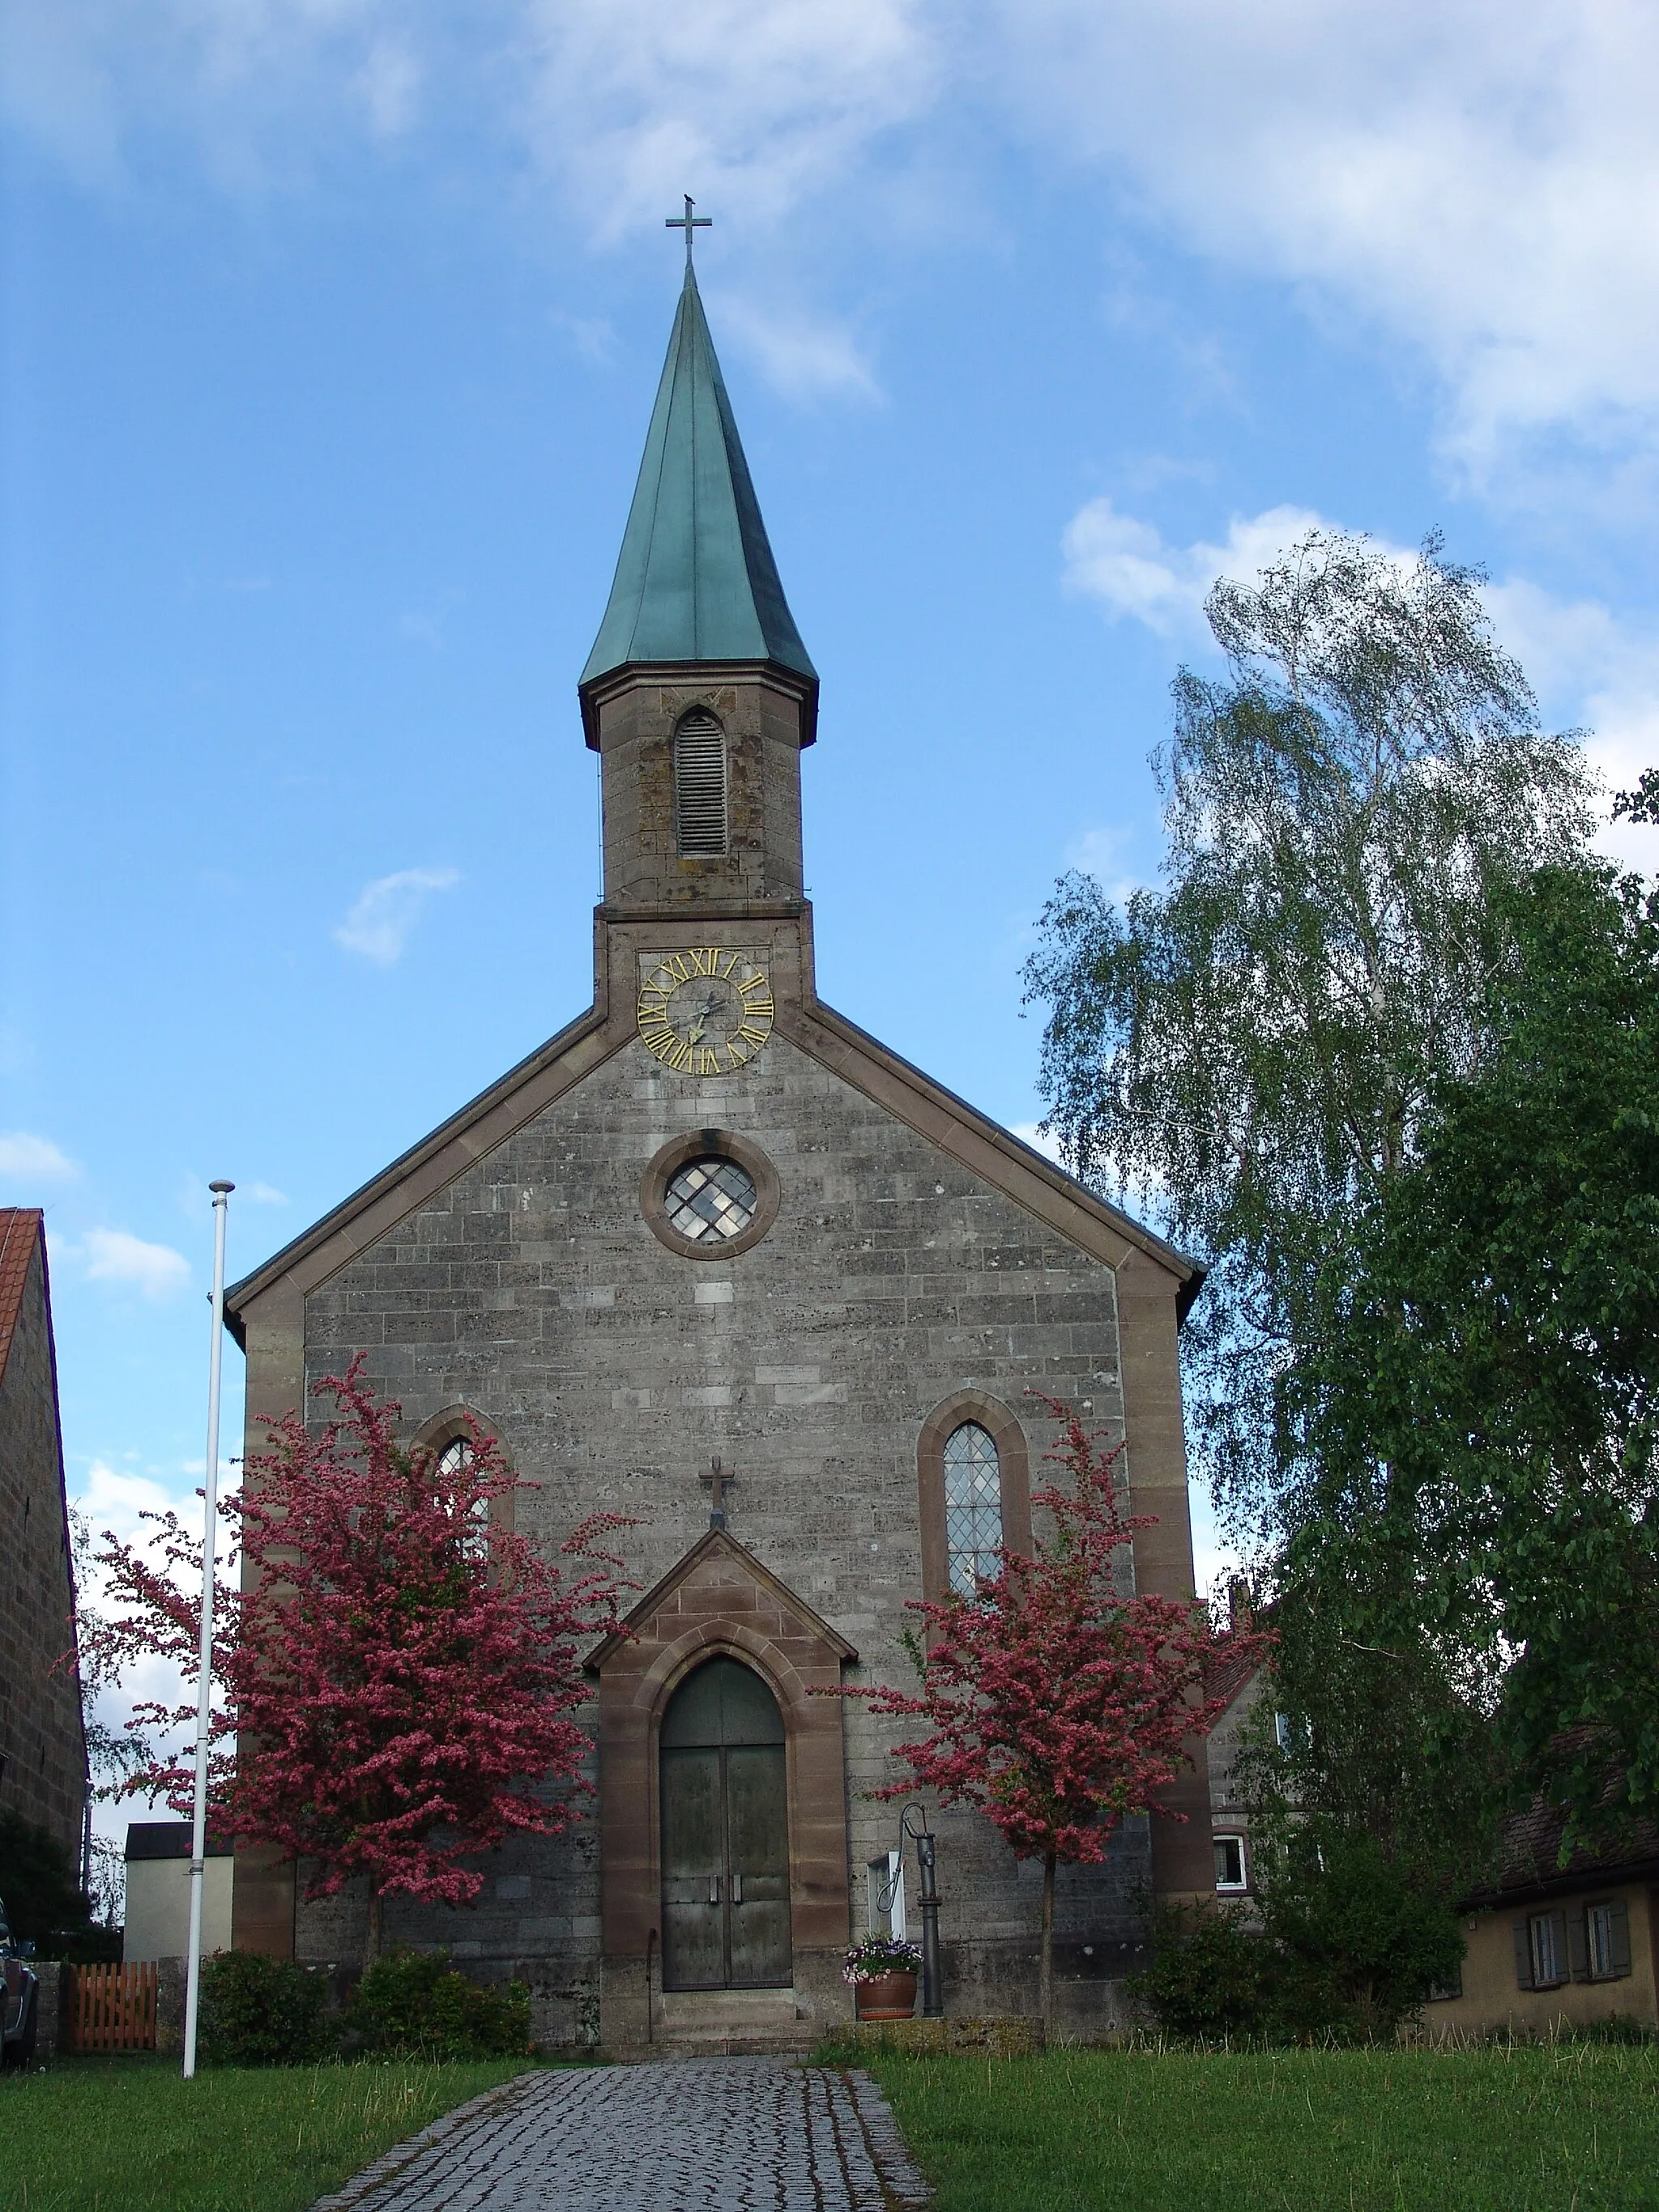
725	1831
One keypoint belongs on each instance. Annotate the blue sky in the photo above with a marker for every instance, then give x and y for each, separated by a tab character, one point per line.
332	331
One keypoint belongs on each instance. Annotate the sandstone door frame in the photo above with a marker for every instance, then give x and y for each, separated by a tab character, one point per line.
720	1599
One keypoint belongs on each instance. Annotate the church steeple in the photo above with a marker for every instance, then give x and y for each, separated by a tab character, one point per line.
695	582
698	695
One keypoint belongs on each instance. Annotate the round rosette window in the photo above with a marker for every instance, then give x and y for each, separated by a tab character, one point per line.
709	1194
713	1199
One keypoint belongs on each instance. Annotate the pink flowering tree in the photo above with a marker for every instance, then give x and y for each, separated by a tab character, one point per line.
1052	1701
398	1673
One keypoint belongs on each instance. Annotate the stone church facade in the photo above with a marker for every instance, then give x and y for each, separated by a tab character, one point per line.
713	1218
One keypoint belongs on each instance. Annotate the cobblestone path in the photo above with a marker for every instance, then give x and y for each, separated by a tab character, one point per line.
693	2135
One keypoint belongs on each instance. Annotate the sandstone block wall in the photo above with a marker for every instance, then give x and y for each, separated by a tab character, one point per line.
40	1730
613	1368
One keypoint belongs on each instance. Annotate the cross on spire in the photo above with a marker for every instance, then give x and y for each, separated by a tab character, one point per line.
718	1485
688	222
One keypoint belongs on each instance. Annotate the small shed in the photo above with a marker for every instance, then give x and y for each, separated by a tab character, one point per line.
158	1892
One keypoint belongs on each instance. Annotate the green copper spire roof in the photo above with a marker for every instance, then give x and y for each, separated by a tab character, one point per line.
695	580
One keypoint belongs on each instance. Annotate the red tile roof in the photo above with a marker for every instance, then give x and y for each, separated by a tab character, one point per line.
1530	1855
1231	1670
20	1233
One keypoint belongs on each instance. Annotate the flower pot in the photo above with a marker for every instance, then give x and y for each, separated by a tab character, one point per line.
889	1996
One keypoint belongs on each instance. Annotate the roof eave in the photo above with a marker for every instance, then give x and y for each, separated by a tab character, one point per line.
593	689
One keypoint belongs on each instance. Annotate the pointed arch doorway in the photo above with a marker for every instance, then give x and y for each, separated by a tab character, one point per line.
722	1780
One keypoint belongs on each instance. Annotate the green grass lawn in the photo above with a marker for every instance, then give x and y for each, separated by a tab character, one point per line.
1568	2128
128	2134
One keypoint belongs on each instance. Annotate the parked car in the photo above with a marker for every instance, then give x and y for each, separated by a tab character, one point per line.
20	2004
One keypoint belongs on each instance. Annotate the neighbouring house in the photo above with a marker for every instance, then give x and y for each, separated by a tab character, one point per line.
1552	1947
1549	1946
714	1220
158	1892
43	1744
1242	1682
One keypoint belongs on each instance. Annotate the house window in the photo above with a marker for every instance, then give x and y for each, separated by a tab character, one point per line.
699	785
972	1506
1230	1863
1606	1939
1540	1951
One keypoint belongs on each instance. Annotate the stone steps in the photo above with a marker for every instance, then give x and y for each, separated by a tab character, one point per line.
728	2023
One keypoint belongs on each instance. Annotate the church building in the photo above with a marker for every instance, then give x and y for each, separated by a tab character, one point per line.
712	1220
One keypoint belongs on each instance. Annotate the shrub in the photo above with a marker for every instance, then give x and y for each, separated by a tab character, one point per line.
1360	1939
259	2011
1210	1976
1347	1947
415	2002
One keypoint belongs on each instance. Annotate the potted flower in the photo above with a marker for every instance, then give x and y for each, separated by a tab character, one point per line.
882	1971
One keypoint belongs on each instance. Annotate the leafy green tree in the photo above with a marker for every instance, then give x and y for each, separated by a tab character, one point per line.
39	1885
1473	1424
1374	1724
1358	1940
1210	1976
1344	1944
1253	1048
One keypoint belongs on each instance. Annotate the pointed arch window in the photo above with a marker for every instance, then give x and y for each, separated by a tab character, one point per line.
447	1444
973	1505
972	1469
451	1462
699	785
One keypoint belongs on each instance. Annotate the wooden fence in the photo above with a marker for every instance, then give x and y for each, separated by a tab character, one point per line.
114	2007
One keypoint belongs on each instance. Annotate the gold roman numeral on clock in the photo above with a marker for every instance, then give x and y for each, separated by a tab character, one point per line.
706	1010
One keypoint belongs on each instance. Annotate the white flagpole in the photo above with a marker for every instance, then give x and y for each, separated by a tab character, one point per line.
204	1696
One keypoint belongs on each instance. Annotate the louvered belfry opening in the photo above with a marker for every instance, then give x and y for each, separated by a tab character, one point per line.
699	785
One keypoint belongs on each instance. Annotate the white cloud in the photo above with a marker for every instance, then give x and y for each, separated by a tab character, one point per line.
1474	182
30	1159
1127	565
262	1194
1591	668
1104	852
386	910
113	1499
111	1255
1594	669
761	104
389	83
796	351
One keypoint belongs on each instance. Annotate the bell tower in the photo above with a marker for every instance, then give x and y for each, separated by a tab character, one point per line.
698	695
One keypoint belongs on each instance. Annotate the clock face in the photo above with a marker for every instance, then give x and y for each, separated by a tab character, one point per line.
706	1011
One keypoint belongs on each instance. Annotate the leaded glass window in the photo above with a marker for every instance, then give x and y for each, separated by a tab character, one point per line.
972	1506
710	1200
453	1460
